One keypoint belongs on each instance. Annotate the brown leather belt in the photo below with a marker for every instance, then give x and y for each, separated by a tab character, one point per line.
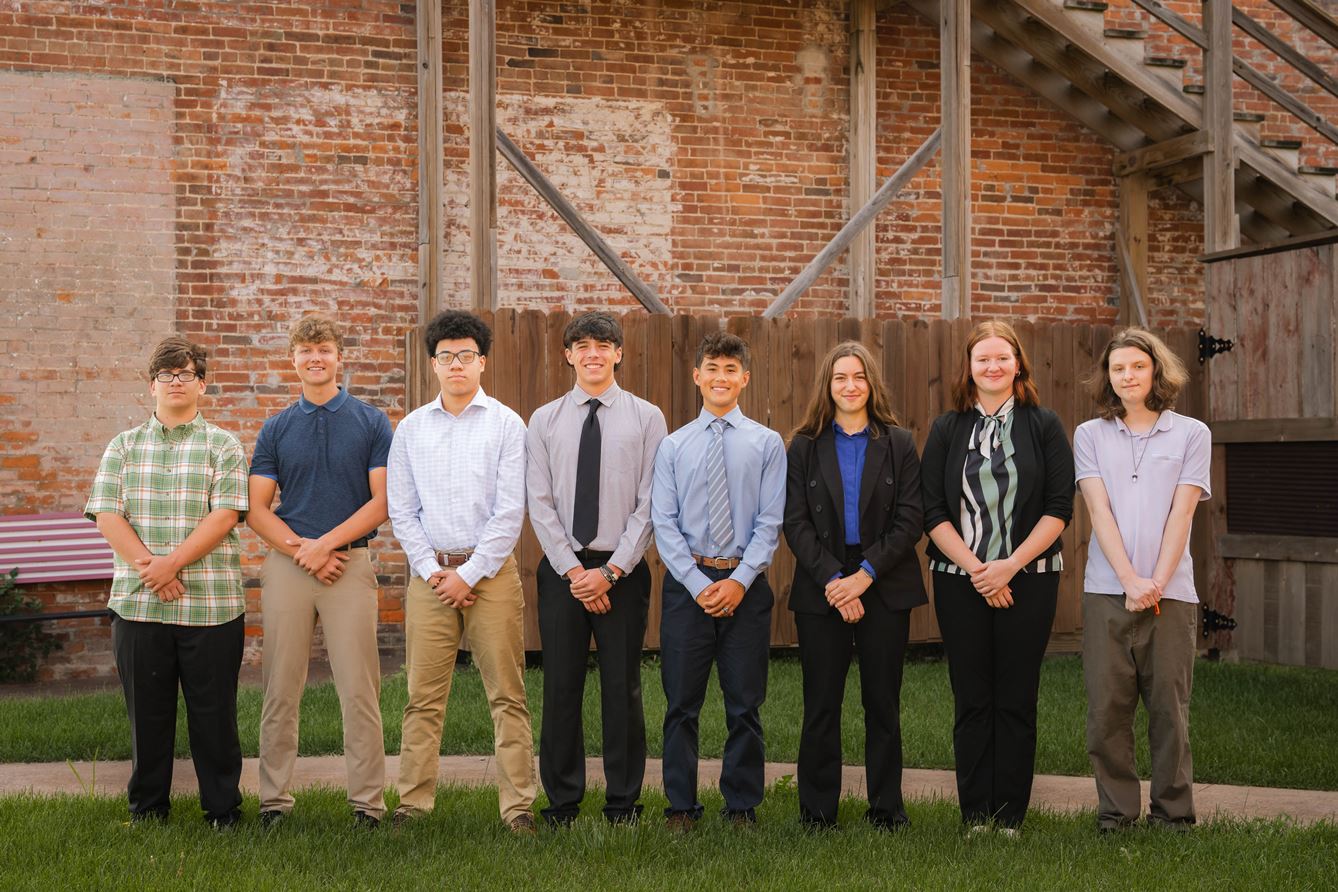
717	563
453	558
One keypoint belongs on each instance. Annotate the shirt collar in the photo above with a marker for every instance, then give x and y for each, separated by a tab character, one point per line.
180	430
863	432
581	398
331	405
1164	423
480	399
734	416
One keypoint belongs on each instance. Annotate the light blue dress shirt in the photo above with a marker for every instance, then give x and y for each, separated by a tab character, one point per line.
755	470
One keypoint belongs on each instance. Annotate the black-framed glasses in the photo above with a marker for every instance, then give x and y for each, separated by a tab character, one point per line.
446	357
185	377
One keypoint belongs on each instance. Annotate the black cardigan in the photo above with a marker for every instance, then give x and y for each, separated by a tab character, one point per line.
1044	468
890	519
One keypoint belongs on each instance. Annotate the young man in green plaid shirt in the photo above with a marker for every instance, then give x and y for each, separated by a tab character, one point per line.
167	497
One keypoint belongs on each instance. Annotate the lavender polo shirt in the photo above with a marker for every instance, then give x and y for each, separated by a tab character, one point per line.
1177	450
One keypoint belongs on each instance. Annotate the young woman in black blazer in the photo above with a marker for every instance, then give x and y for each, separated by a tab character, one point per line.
852	519
998	492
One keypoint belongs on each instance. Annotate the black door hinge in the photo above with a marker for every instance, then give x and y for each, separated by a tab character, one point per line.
1210	346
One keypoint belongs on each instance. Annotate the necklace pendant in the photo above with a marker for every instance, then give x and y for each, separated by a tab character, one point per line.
1135	478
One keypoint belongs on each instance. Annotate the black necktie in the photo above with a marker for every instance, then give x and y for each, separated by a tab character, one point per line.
585	513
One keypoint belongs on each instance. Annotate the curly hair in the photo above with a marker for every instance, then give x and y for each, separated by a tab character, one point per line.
722	345
456	325
315	329
1168	373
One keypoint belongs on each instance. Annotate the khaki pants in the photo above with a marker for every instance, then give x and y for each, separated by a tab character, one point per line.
432	634
291	601
1127	656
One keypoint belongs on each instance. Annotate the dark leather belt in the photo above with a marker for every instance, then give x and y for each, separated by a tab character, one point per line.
717	563
356	543
453	558
585	554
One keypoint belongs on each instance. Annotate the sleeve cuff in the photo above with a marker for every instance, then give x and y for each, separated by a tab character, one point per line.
470	572
744	575
426	568
868	568
696	582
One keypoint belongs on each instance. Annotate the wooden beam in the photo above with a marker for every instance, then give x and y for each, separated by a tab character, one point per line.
1296	59
1313	240
863	150
881	199
1220	230
1162	154
431	165
587	233
1260	547
1275	430
1131	243
482	154
1313	17
955	108
1311	118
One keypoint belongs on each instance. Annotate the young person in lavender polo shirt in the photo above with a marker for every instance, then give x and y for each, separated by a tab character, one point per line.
1142	469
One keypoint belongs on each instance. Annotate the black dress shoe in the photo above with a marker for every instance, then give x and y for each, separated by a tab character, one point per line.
364	821
271	816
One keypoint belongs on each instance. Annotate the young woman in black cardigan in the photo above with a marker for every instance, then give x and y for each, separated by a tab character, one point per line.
852	519
998	492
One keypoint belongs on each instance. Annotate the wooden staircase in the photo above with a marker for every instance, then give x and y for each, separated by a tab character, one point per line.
1102	76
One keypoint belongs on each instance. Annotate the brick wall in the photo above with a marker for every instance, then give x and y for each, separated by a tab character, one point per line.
221	168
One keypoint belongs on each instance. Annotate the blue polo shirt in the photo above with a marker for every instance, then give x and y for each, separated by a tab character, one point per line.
320	456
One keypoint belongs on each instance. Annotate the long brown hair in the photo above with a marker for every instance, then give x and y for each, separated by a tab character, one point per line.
822	408
1168	373
1024	385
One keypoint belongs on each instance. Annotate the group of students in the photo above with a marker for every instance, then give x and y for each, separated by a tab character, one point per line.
599	475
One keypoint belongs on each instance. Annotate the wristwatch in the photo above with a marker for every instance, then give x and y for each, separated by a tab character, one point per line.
609	574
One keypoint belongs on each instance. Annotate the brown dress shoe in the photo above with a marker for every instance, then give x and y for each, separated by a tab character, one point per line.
523	824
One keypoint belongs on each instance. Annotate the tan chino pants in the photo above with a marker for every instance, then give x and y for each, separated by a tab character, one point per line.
291	601
432	633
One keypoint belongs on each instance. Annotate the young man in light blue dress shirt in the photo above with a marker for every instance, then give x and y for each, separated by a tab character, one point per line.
717	504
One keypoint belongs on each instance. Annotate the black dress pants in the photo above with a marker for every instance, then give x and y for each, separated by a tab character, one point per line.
152	659
826	645
565	627
739	646
994	663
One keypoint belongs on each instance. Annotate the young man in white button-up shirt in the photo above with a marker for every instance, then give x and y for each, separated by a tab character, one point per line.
456	488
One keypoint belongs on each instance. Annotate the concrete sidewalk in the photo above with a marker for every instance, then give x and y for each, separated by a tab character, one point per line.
1063	794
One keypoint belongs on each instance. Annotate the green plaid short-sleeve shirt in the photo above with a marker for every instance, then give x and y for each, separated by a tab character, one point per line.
164	482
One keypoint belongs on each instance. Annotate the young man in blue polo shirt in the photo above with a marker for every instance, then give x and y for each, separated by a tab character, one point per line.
326	454
717	504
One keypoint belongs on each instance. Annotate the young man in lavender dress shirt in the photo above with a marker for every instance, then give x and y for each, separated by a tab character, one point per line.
456	488
591	456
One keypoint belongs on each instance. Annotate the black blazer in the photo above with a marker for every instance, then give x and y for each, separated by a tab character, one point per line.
1044	462
889	516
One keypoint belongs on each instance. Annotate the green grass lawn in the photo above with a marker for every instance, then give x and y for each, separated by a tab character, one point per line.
83	843
1251	724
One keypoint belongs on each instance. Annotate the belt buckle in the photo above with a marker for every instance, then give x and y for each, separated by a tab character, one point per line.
453	558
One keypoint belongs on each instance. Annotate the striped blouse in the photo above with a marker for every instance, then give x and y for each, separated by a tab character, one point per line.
989	489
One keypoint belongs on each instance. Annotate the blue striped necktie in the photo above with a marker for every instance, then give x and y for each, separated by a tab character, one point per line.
717	492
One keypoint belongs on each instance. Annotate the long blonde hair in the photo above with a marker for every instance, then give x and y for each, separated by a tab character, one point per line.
822	408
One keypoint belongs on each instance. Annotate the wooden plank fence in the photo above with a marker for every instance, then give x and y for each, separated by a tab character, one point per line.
919	357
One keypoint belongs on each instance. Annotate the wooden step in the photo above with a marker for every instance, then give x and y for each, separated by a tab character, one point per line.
1086	5
1321	177
1288	151
1164	62
1124	33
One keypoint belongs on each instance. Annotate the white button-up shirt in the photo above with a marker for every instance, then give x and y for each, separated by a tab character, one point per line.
456	482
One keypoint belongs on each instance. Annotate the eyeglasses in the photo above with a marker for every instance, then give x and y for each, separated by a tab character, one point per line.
446	357
167	377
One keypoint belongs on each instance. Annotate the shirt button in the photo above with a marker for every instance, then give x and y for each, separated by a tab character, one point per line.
812	483
889	481
817	508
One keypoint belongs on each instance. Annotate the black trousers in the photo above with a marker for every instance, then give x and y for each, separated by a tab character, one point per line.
152	659
565	627
994	663
826	646
739	646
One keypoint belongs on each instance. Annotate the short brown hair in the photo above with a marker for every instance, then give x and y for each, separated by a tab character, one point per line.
1024	385
722	345
175	353
1168	373
315	330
